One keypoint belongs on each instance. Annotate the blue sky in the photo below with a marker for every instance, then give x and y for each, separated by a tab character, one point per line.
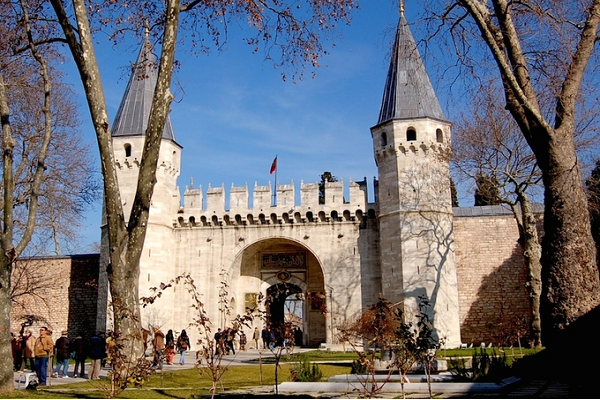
233	112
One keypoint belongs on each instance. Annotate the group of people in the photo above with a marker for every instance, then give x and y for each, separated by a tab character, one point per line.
39	353
283	336
226	339
165	347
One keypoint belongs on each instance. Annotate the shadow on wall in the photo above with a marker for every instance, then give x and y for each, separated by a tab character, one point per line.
502	307
83	295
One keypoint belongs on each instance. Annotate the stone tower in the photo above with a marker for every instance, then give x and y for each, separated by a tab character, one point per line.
411	144
128	136
129	133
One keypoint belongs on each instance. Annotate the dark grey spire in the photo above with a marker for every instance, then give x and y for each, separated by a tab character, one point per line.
132	117
408	92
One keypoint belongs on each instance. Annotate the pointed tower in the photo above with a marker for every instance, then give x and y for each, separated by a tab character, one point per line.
129	132
128	136
411	144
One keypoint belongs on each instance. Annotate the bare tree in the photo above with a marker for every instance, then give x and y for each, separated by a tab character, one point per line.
488	143
30	96
541	81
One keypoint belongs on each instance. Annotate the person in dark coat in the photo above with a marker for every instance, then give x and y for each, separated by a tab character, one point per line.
79	351
97	346
62	352
15	342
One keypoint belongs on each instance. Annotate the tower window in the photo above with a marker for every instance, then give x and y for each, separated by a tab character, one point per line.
411	134
439	136
383	139
127	147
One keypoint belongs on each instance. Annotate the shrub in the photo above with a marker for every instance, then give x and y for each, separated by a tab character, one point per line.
305	371
359	366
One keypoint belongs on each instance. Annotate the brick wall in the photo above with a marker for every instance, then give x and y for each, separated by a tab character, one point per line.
57	292
493	298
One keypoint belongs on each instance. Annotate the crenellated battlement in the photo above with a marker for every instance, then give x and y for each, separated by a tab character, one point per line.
132	162
413	149
265	209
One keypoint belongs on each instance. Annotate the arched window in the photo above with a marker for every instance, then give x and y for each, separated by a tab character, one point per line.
383	139
127	147
439	136
411	134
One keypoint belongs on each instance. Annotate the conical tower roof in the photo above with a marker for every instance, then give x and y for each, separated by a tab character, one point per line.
408	93
132	117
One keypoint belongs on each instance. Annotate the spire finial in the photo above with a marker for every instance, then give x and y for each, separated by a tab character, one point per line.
146	29
402	8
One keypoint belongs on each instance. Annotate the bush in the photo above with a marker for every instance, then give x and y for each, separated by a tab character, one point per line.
305	371
484	367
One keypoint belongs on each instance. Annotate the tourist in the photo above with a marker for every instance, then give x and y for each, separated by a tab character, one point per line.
218	342
16	343
159	347
183	345
170	347
229	336
79	352
62	351
255	337
243	341
28	353
43	351
265	337
97	349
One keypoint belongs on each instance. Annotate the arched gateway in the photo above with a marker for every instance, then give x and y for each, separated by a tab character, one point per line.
291	277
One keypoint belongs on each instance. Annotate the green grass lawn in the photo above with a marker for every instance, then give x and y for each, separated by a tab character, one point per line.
176	384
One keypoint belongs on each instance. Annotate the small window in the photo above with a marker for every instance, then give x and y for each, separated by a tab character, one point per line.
383	139
439	136
127	150
411	134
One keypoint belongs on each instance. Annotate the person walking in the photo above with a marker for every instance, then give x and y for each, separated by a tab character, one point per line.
265	337
159	348
43	351
62	351
183	345
96	354
243	341
170	347
78	349
255	338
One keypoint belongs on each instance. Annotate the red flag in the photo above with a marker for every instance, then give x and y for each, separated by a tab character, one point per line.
273	166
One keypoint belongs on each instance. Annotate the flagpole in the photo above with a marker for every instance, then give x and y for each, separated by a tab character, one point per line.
275	190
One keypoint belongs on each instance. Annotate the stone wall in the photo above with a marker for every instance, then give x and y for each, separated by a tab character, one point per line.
60	293
493	298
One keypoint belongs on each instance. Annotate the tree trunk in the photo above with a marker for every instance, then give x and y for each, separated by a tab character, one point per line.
532	253
570	275
6	370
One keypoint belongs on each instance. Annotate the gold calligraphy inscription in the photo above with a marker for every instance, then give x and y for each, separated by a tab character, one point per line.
284	260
